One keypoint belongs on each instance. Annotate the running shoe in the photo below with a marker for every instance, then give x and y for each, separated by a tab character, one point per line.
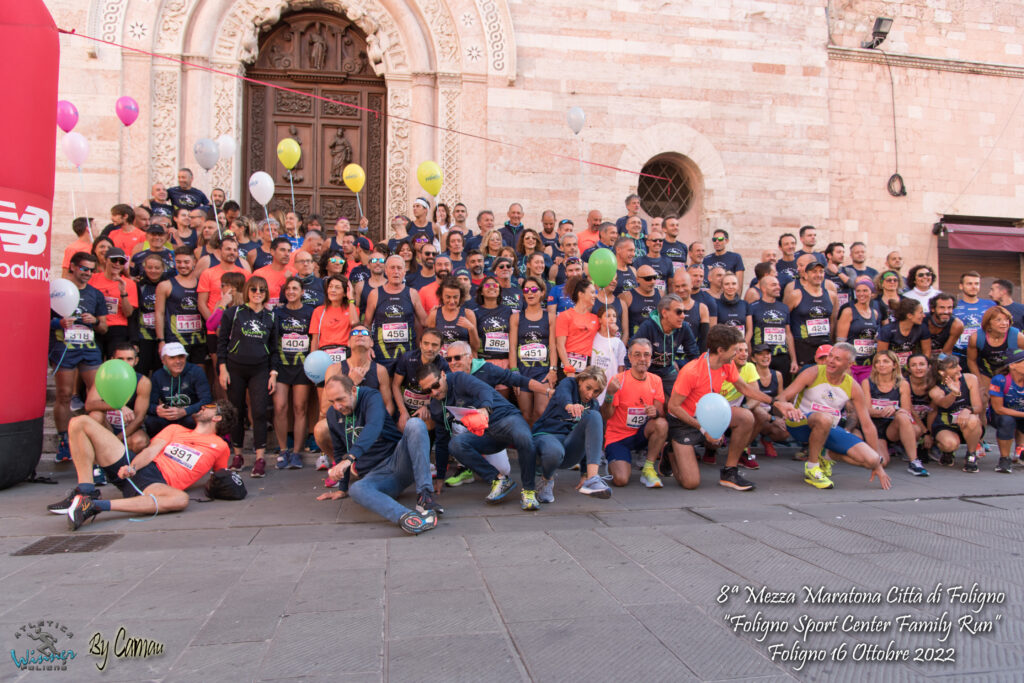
284	460
528	500
730	477
915	468
649	477
1017	453
77	403
800	455
99	477
1005	466
311	444
546	490
414	522
426	502
463	477
81	511
237	462
595	487
710	456
63	448
946	460
665	465
924	456
769	448
331	483
259	469
322	464
981	450
749	461
825	463
61	507
970	463
294	460
816	477
499	489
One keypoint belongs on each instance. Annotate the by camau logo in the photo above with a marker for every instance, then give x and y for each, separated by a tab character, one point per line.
41	649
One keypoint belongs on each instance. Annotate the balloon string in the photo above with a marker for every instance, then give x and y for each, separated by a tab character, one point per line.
435	126
57	366
292	186
74	209
216	217
127	456
359	204
88	220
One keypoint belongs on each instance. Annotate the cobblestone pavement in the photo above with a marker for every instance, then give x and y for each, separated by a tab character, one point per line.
658	584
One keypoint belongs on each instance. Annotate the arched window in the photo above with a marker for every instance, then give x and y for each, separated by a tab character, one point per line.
678	195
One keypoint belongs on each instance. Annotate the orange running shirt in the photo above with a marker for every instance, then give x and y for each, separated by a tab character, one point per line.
275	280
693	381
630	402
112	296
188	456
209	281
579	330
127	241
332	324
83	243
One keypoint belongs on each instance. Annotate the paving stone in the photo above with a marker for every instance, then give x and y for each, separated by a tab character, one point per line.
650	518
361	589
336	642
410	548
529	523
437	613
453	574
451	658
225	627
558	591
235	661
533	548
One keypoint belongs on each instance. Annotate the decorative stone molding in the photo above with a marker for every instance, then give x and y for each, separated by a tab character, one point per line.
398	156
852	54
170	29
165	126
444	32
108	19
227	93
450	117
497	24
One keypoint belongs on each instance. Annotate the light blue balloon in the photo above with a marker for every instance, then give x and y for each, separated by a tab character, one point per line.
316	365
714	414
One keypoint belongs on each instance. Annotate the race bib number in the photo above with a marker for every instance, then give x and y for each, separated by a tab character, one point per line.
678	265
415	400
843	298
79	334
636	417
577	361
904	356
295	343
818	327
883	403
534	353
864	347
966	337
922	408
114	418
394	333
183	455
775	335
496	342
827	410
337	354
149	321
191	322
111	302
659	285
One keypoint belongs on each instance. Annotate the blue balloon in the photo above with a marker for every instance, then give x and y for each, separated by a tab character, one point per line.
316	365
714	414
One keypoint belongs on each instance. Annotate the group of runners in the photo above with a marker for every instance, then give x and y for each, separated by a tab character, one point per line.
452	344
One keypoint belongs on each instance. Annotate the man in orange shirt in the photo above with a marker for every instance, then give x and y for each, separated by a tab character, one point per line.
209	281
589	237
131	233
121	296
80	226
703	376
277	271
153	480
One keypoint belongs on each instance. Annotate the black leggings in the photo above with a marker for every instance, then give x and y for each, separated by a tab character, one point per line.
149	357
253	378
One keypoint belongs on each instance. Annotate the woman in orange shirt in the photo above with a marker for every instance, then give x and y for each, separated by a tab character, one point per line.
332	322
576	328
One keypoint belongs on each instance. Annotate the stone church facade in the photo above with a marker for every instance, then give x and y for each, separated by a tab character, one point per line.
771	114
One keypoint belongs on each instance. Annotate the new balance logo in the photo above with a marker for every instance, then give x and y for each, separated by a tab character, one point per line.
24	234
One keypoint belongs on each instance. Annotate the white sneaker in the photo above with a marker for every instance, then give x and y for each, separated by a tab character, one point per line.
322	463
596	487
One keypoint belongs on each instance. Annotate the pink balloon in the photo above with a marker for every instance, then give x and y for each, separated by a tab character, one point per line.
67	115
76	148
127	110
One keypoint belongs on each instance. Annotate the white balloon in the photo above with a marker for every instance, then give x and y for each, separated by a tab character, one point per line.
261	187
76	148
64	296
575	117
226	143
206	153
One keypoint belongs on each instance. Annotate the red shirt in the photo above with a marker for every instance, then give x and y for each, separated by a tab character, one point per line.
275	280
112	295
630	403
188	456
693	381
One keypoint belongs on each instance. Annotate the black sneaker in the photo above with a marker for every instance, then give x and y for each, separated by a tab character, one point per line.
426	501
731	477
970	463
665	465
62	507
946	460
81	511
1005	466
414	522
924	456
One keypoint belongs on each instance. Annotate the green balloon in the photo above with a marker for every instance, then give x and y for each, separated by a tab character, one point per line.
115	383
602	267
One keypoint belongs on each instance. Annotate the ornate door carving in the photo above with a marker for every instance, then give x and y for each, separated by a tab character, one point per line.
321	54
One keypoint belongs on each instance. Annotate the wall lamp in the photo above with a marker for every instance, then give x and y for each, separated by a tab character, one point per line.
878	33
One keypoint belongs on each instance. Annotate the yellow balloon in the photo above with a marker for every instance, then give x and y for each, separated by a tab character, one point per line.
354	177
288	151
430	177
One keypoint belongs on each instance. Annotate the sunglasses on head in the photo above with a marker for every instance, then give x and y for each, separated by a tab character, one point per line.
212	405
647	278
572	260
360	333
531	290
454	358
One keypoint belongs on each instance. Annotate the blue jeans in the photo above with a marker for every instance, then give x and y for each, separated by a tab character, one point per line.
377	489
508	432
582	443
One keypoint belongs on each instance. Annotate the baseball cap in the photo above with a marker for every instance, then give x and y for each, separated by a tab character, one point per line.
1015	357
462	272
116	252
363	243
758	348
823	350
156	229
174	349
814	264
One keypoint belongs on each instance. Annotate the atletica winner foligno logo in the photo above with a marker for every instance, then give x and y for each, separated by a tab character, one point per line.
40	646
